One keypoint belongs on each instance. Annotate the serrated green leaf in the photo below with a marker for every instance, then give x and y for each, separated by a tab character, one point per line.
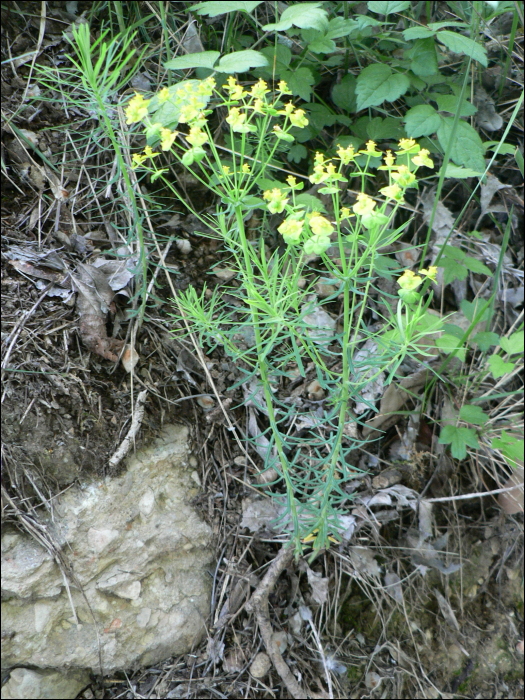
422	120
318	43
485	339
296	153
511	447
423	58
339	27
462	44
453	270
310	202
450	103
499	367
475	265
417	33
459	173
305	15
387	8
343	95
454	330
278	57
377	84
514	344
319	116
467	148
473	414
241	61
458	439
300	82
204	59
472	308
452	252
449	343
212	9
390	128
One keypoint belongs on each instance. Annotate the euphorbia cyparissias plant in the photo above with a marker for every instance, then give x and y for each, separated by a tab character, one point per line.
273	308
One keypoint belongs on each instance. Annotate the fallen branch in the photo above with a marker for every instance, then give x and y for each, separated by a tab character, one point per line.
259	605
135	425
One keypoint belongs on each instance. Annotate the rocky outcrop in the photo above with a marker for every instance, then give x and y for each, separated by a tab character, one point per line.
142	555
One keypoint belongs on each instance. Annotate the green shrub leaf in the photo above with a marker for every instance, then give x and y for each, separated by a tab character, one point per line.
458	439
473	414
300	82
306	15
514	344
467	148
462	44
343	95
204	59
241	61
499	367
377	83
422	120
485	339
213	9
387	8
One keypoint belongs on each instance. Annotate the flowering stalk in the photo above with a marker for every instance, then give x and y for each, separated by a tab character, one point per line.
276	306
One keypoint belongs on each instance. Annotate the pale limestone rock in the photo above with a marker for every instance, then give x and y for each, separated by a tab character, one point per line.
141	553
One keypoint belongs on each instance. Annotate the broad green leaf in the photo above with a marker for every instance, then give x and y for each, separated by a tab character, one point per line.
390	128
310	202
514	344
300	82
499	367
450	103
473	414
339	27
475	265
458	439
212	9
459	173
454	330
377	83
343	95
422	120
278	57
511	447
317	41
467	148
462	44
485	339
241	61
306	15
423	57
449	343
296	153
204	59
506	149
319	116
454	270
387	8
417	33
452	252
472	308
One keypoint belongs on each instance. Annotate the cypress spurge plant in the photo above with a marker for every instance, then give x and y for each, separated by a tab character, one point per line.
273	311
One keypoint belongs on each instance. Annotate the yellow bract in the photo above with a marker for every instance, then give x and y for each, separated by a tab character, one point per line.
137	109
409	281
364	205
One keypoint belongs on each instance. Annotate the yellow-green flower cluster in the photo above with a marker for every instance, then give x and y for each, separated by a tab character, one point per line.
409	282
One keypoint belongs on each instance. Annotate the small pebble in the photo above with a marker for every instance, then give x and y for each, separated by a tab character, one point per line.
260	665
